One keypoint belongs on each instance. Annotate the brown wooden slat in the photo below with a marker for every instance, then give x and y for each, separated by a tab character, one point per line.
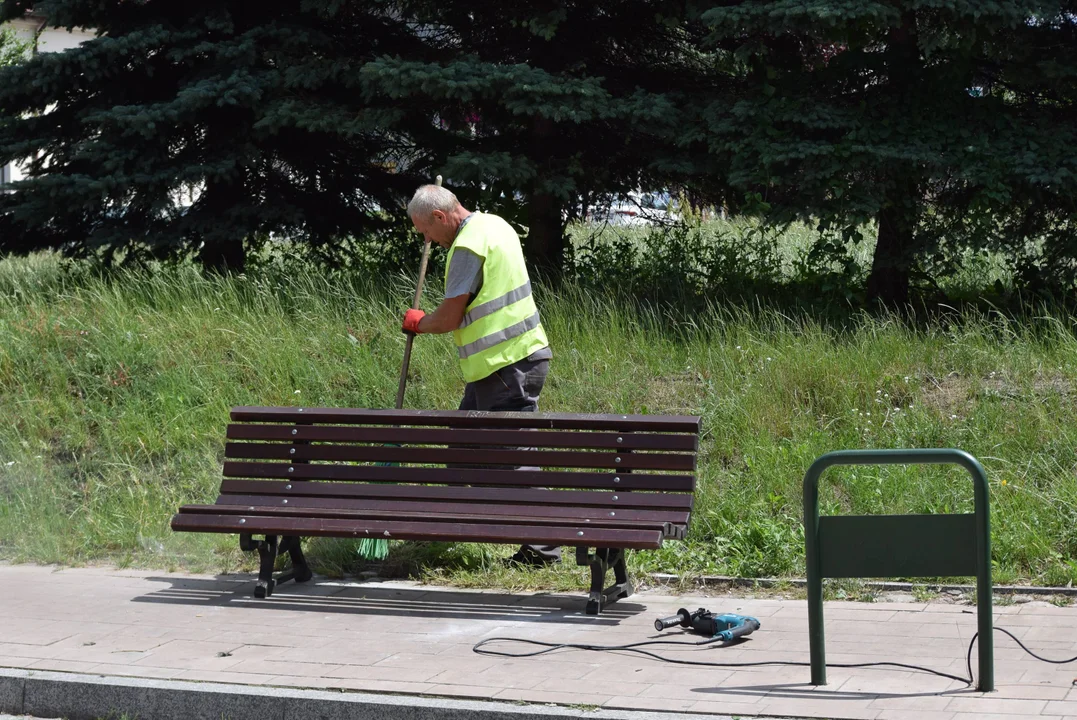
642	500
461	476
414	516
469	419
460	532
456	436
561	513
436	456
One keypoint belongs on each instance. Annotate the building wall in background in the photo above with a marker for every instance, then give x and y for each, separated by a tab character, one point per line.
49	40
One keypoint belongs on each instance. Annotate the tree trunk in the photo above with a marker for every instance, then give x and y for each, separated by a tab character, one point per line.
546	229
888	283
223	255
546	236
899	216
223	251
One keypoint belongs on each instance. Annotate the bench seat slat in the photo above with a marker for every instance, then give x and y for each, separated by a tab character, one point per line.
641	539
475	419
674	517
442	436
643	500
461	476
419	516
470	456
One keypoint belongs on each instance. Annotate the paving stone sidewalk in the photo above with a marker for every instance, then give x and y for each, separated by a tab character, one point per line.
418	640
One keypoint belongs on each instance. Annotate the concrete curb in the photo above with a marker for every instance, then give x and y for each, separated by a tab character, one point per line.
90	697
885	586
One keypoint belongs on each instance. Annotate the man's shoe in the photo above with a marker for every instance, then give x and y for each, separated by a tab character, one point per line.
526	557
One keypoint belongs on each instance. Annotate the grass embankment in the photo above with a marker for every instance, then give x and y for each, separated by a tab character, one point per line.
114	396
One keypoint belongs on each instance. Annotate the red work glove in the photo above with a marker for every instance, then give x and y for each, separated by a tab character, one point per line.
411	320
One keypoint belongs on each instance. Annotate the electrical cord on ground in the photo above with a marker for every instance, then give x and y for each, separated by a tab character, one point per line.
635	648
968	659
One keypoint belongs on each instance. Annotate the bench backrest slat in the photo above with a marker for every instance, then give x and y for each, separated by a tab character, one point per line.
461	476
584	498
471	419
451	436
470	456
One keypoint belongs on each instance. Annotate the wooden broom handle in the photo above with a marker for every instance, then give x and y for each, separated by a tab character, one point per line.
414	306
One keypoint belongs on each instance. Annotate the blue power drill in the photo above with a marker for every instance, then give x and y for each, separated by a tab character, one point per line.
727	626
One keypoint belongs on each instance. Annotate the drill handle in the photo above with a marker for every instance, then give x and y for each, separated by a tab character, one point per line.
667	622
682	618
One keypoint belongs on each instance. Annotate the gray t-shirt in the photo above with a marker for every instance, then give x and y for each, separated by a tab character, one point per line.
465	274
465	278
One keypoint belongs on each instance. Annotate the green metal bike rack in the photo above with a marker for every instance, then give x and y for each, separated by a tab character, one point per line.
858	546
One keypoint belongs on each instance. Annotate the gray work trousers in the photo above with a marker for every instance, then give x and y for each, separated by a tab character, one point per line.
514	388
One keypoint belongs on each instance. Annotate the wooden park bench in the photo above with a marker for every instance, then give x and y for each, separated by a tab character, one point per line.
603	484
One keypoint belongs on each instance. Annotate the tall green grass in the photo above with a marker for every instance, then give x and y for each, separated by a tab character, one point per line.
114	395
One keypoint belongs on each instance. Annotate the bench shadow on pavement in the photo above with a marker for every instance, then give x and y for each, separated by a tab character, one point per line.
326	596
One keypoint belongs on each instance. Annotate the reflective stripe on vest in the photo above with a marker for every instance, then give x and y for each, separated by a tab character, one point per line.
485	343
481	311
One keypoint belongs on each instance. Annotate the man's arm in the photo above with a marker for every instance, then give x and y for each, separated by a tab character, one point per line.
446	318
462	283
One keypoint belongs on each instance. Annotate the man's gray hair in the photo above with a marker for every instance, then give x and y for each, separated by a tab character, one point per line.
429	198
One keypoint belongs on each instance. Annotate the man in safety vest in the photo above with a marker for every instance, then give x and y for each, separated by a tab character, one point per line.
488	307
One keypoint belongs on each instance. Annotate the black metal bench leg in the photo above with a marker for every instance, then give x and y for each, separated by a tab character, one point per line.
599	566
624	587
600	563
299	572
268	550
267	559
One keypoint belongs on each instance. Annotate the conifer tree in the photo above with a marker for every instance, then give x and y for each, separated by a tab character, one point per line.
545	105
197	128
200	129
950	124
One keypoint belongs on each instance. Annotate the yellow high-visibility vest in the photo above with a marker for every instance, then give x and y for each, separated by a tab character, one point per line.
501	325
